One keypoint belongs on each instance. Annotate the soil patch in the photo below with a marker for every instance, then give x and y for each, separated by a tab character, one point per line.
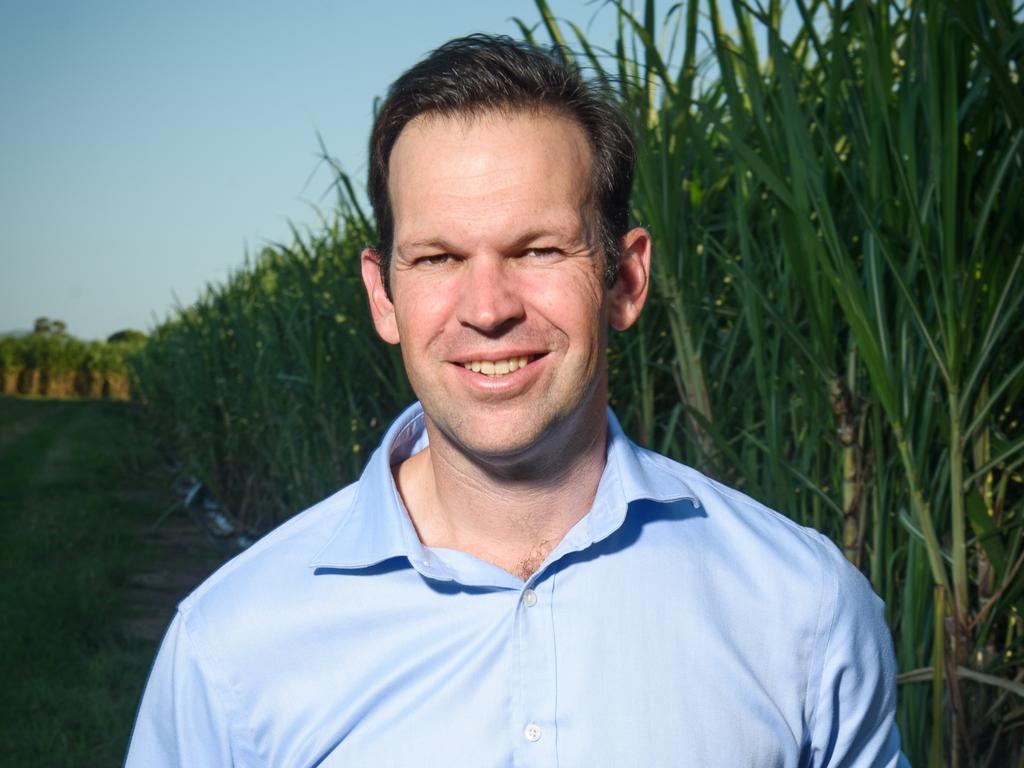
182	556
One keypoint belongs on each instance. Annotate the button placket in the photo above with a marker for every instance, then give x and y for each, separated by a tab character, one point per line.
537	683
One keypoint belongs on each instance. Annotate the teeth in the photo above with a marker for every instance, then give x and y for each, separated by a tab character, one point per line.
497	367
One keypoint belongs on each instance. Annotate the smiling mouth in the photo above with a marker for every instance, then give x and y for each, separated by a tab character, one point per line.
499	367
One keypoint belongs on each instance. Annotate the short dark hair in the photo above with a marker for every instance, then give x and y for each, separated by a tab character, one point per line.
484	73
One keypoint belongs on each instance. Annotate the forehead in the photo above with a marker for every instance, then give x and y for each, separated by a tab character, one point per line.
493	169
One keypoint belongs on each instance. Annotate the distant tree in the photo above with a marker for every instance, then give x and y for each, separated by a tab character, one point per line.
44	326
126	336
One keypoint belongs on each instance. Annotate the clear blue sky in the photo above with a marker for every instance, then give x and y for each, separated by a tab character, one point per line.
144	143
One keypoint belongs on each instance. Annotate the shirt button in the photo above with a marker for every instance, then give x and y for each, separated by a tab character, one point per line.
532	732
530	600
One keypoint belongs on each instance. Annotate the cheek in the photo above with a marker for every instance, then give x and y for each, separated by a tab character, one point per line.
420	312
574	305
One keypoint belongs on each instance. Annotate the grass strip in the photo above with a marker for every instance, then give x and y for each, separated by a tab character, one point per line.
79	482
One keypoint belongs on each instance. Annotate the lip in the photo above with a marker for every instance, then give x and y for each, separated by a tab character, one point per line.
494	357
506	384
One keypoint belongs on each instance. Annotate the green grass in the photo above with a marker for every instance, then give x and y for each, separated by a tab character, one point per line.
77	484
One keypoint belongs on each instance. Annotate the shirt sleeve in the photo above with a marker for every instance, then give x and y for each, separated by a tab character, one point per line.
181	720
854	723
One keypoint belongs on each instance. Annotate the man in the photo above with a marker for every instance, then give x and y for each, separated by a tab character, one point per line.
511	581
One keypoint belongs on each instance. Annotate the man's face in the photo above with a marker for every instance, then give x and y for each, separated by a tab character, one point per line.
497	295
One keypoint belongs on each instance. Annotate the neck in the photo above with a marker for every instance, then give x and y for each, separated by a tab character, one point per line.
511	513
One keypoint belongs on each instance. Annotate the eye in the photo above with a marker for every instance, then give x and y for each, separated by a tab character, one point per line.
542	253
434	260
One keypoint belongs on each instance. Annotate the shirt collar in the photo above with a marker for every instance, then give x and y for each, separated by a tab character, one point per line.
376	526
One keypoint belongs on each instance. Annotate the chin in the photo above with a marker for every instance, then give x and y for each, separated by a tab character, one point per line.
534	447
493	447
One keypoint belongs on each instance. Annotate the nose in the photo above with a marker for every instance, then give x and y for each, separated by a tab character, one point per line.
488	299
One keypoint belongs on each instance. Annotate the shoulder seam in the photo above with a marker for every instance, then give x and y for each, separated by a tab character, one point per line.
817	668
201	650
240	559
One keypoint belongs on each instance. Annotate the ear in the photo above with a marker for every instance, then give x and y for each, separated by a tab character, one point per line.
381	308
628	294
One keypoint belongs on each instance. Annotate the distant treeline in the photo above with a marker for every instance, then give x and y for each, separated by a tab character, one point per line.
52	363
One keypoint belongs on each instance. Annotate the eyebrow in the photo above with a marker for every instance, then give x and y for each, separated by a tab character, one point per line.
431	243
538	234
440	244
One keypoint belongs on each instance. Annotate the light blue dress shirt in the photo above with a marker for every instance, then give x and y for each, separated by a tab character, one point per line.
679	623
